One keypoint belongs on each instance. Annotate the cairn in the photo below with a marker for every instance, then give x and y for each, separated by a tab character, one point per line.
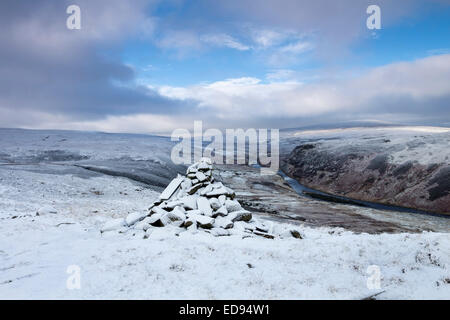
196	202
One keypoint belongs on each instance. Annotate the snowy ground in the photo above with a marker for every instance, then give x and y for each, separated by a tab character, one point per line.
36	250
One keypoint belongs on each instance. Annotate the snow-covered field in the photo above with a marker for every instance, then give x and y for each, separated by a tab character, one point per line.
37	250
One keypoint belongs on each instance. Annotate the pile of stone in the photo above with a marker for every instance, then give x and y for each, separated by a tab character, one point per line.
196	202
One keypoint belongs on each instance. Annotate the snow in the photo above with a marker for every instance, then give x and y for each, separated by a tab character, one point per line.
36	251
28	144
114	224
134	217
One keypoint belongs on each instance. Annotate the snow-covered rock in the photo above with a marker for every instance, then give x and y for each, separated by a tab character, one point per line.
189	202
204	206
202	221
175	217
198	203
134	217
224	223
113	225
171	188
232	205
200	176
214	203
222	211
153	218
241	215
219	232
46	210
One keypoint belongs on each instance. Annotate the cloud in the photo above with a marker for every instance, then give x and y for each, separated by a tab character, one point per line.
267	38
135	123
275	48
281	75
224	40
406	89
49	72
187	41
51	77
288	54
296	48
335	24
180	39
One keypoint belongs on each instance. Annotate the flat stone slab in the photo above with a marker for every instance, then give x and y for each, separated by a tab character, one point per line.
204	206
171	188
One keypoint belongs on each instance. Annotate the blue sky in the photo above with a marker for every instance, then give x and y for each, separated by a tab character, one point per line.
152	66
411	37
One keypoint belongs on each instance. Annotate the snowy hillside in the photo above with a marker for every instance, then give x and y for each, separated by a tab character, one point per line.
405	166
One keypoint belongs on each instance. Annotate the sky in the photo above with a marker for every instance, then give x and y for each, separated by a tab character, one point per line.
148	66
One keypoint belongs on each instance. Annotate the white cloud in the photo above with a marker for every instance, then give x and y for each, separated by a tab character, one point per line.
224	40
296	48
135	123
268	38
180	39
288	54
281	75
275	47
404	83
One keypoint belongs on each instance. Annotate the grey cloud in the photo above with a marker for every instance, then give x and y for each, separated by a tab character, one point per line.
46	68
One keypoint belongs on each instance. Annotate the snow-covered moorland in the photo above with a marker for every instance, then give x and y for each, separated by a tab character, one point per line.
51	216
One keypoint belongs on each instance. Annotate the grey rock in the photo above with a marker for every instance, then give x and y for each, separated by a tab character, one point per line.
222	199
242	215
175	217
221	222
201	176
203	221
215	204
233	205
263	234
195	188
171	188
204	206
222	212
189	202
134	217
